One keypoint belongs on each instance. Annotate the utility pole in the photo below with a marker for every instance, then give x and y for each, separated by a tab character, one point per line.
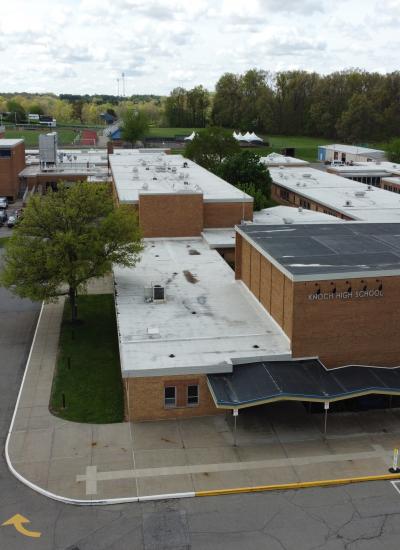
118	87
123	84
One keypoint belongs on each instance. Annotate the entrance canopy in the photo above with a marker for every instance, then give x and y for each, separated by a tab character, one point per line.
303	380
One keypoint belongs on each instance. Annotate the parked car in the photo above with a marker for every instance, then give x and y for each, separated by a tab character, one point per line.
12	220
3	202
3	217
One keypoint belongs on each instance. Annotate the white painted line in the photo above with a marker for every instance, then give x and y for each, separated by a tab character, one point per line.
396	485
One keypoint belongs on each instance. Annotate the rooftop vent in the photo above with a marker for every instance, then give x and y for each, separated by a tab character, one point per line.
369	188
153	332
300	209
145	186
348	203
287	221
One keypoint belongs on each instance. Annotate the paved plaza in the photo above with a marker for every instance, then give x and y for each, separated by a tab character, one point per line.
275	444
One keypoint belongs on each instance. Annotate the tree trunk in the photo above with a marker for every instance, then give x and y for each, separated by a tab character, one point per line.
73	305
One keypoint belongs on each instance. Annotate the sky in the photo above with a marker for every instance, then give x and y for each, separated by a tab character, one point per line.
83	46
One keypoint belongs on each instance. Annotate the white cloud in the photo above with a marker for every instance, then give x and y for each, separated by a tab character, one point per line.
84	45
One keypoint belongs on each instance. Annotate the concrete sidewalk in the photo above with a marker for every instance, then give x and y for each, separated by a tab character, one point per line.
277	444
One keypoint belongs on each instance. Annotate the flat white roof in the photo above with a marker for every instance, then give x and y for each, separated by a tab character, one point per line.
208	322
7	143
351	149
220	238
135	173
348	197
275	159
368	168
276	215
392	179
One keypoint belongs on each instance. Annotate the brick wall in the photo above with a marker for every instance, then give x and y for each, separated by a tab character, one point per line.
177	215
289	198
220	214
269	285
9	170
353	330
145	398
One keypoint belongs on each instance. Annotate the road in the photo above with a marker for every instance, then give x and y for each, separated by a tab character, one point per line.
354	517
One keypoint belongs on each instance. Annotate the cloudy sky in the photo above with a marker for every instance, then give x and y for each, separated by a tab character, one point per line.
83	46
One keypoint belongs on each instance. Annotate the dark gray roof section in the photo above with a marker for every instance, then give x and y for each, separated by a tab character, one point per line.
313	249
302	380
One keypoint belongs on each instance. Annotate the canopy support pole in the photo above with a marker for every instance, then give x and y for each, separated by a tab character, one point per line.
235	415
326	408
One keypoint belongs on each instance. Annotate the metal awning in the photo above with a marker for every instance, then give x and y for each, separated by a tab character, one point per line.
302	380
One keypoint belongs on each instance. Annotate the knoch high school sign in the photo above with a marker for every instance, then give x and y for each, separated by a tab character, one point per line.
345	295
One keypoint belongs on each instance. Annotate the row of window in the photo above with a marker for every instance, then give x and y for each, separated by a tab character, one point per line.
392	189
181	396
370	180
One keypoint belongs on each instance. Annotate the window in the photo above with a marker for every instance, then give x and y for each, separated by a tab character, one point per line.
192	395
169	396
284	194
305	204
5	153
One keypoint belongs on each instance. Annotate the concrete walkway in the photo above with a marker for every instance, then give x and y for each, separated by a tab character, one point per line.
280	443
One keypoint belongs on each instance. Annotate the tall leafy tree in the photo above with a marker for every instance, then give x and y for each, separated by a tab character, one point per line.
245	168
393	150
135	125
211	146
66	238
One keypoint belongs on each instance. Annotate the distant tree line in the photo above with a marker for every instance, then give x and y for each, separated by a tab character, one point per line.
351	105
187	108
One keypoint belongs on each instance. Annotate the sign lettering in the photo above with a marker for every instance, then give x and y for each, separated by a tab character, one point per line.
345	295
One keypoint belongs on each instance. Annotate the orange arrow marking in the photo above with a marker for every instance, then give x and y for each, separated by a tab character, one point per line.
18	522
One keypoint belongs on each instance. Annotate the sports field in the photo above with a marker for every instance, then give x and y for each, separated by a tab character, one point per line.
31	137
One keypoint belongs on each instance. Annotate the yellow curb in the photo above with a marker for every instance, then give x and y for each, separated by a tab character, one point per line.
297	485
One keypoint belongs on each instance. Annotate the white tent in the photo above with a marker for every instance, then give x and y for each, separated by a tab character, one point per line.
247	137
254	137
191	137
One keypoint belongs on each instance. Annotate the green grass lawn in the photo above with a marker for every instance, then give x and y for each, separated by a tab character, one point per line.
92	384
169	132
306	147
31	137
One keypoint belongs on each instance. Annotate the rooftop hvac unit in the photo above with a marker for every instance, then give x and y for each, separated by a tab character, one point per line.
359	193
145	186
307	175
158	294
287	221
300	209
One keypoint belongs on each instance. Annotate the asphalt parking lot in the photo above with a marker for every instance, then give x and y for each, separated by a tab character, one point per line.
364	516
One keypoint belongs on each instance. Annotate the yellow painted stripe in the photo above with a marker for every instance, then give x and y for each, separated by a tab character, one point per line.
297	485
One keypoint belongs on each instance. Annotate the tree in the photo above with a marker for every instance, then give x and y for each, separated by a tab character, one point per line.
66	238
393	150
36	109
211	146
245	168
358	122
134	126
175	108
260	200
17	112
